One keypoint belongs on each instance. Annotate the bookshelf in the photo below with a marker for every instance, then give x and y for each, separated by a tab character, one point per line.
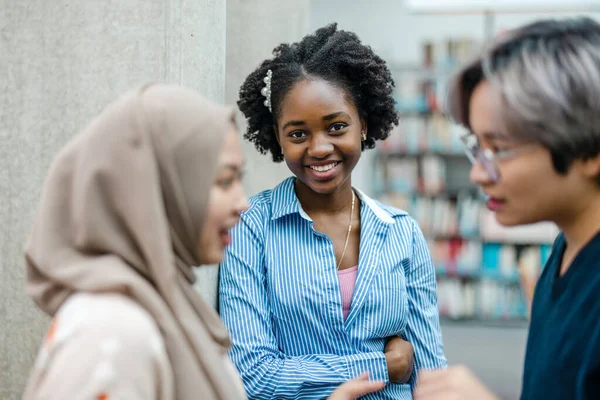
422	169
489	9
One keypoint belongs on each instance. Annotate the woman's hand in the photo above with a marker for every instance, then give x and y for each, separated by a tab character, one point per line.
356	387
399	355
453	383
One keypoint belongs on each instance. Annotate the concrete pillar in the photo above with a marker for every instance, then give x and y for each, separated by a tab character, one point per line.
61	62
254	28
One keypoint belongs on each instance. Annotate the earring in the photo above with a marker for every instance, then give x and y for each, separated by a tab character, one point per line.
363	136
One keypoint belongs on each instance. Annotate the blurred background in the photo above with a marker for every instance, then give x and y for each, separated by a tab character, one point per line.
61	62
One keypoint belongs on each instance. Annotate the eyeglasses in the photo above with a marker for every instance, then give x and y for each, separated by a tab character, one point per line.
487	158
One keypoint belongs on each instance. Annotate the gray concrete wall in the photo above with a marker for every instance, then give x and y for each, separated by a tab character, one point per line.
61	62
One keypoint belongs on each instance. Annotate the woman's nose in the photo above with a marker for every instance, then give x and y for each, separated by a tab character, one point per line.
320	146
479	175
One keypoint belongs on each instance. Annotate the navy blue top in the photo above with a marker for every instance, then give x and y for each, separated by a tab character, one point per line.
562	360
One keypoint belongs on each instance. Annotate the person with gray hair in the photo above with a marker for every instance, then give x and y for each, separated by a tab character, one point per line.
531	105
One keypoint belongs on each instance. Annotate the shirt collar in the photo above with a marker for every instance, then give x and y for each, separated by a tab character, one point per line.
285	202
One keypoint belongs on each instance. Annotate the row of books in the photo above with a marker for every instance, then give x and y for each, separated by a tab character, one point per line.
424	133
463	214
441	216
426	173
484	299
472	259
538	233
406	175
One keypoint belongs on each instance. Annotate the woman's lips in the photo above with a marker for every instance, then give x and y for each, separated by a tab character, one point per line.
494	204
324	172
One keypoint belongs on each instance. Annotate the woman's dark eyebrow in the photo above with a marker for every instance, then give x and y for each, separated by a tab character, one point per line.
335	115
293	123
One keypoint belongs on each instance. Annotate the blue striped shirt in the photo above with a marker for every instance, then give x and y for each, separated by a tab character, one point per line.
280	298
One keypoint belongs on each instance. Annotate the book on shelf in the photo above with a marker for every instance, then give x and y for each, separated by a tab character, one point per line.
433	176
538	233
416	135
456	257
497	301
422	89
402	174
468	209
457	300
484	300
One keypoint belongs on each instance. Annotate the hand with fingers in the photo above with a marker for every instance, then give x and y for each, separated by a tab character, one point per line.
356	387
454	383
399	355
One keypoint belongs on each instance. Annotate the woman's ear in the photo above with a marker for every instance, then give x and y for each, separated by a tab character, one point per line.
363	129
590	167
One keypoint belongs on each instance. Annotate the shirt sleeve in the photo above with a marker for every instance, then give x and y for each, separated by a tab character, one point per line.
267	372
102	355
423	327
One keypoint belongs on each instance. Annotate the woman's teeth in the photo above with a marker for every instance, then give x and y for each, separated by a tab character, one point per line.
323	168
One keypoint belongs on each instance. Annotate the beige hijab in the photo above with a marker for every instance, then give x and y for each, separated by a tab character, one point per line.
121	211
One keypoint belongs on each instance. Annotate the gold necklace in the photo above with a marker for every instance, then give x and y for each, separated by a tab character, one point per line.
349	230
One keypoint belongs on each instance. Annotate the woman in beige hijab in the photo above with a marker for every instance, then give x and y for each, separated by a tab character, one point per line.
149	190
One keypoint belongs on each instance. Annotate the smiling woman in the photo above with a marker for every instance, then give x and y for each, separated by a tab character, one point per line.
330	282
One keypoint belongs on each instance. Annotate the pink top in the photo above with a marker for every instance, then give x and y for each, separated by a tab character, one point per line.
347	282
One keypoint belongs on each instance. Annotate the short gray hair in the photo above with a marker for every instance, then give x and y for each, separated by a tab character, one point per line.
548	76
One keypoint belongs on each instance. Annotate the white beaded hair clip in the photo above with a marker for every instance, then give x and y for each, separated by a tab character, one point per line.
266	91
